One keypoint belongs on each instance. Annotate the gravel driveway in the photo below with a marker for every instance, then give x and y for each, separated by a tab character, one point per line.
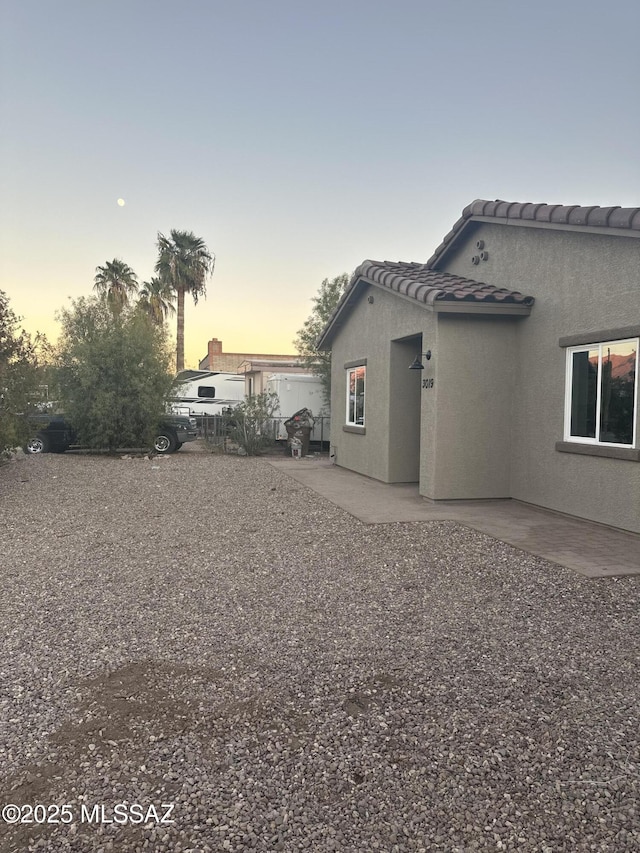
204	632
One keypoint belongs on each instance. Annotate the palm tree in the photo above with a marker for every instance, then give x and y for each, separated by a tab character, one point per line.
156	299
184	262
116	282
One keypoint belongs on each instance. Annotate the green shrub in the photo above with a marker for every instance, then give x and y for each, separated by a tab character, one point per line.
113	374
20	376
250	424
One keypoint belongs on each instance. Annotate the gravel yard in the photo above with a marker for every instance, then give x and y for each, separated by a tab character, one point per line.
203	631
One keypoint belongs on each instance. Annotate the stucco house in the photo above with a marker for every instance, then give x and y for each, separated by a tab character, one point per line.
506	366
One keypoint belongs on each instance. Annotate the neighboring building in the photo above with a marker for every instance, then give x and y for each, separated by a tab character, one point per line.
530	314
258	370
230	362
257	367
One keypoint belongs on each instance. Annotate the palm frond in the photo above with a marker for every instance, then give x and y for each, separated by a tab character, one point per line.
115	282
157	297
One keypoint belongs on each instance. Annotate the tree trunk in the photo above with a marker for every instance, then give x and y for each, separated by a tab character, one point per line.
180	332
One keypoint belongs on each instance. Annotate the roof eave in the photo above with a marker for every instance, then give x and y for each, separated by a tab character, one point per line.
560	226
462	307
451	240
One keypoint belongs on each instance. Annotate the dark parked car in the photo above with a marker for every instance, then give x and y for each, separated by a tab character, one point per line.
54	434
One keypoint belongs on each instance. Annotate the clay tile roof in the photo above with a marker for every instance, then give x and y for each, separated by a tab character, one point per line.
627	218
428	286
623	217
600	215
545	212
580	215
491	207
529	211
503	208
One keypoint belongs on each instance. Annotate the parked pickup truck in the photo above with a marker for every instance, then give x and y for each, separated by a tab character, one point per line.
54	434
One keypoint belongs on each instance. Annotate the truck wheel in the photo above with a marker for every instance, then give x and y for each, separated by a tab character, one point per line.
165	442
38	444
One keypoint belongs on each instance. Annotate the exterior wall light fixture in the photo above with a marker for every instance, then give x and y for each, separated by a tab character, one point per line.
417	363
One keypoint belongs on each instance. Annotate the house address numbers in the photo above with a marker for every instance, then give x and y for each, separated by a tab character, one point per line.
427	382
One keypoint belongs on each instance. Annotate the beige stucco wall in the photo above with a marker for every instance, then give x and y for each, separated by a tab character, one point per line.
582	283
473	423
368	335
452	435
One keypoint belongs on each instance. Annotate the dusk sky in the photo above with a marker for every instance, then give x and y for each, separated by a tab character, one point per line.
296	138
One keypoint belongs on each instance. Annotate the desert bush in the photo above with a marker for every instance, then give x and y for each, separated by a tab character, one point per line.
113	371
250	424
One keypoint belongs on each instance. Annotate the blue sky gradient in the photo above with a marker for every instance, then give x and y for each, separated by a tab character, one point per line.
296	138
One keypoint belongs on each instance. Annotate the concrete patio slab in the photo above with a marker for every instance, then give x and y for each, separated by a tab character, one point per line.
591	549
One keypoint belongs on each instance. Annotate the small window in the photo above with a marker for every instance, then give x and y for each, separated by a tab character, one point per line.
206	391
356	377
602	393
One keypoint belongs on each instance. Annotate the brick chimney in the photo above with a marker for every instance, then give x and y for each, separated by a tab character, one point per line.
215	348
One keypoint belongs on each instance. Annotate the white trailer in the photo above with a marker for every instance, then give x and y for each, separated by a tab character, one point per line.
300	391
206	392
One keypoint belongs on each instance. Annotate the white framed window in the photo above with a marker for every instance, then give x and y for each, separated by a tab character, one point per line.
601	400
356	382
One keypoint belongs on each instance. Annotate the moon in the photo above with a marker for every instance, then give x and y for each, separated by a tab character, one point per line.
121	202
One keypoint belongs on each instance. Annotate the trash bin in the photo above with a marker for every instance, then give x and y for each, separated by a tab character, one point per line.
299	427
